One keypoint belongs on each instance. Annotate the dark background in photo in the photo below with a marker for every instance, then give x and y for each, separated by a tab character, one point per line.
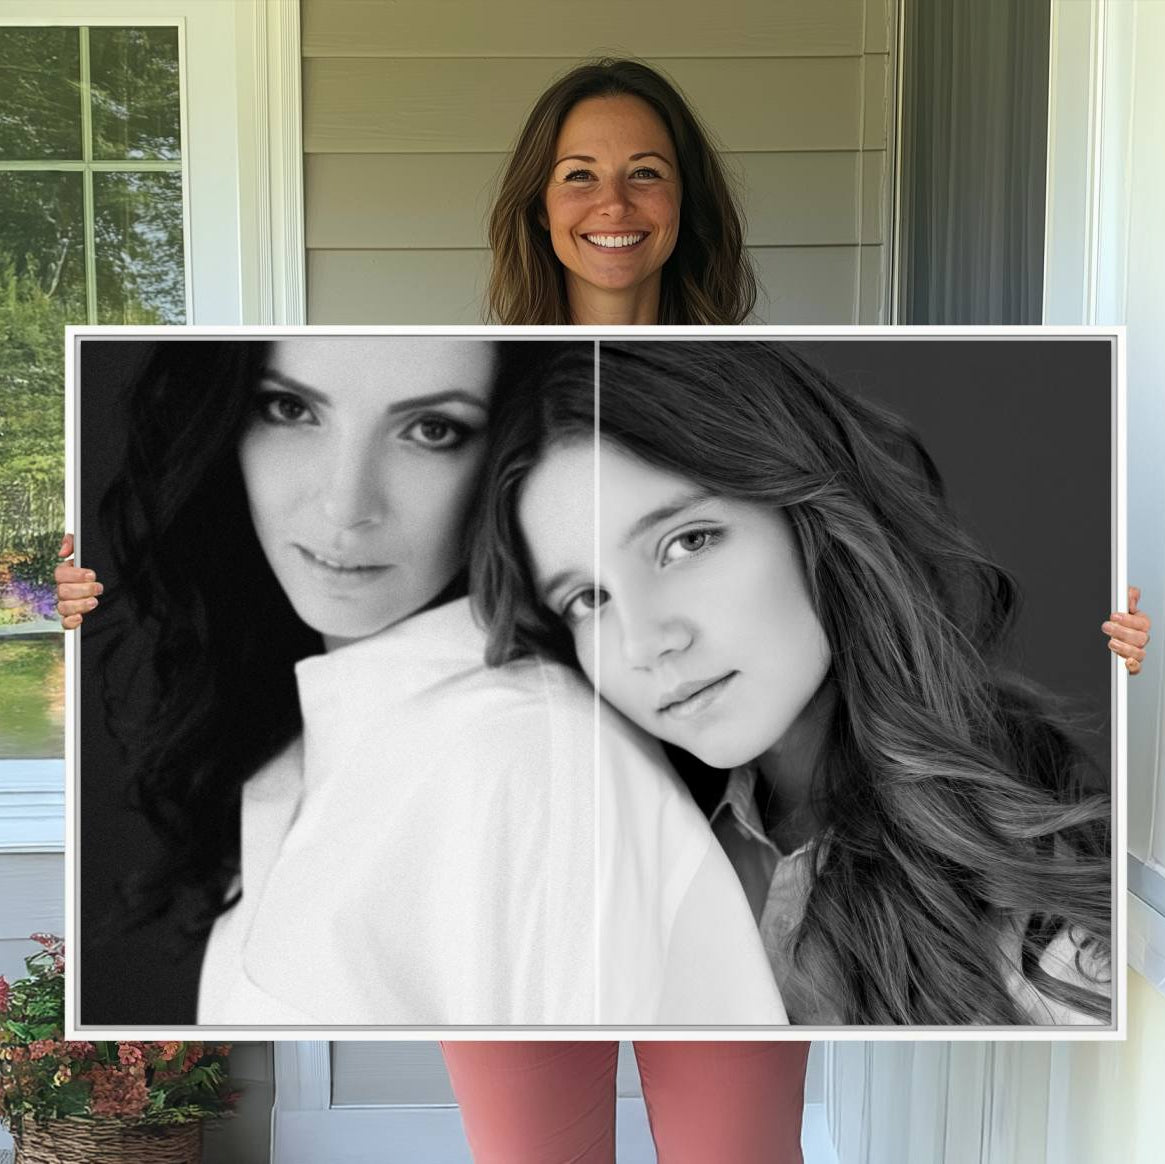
148	976
1021	431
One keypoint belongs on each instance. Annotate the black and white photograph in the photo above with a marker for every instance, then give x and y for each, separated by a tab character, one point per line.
826	606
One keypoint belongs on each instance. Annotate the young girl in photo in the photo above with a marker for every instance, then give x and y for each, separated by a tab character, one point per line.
780	592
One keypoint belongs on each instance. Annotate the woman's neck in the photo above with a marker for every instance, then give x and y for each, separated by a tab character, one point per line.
784	787
589	304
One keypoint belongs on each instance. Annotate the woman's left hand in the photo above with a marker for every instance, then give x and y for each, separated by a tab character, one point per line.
1129	633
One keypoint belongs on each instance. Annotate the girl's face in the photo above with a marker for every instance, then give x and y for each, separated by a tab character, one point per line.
359	465
695	621
612	203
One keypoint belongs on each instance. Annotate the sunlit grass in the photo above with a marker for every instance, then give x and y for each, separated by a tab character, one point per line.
32	696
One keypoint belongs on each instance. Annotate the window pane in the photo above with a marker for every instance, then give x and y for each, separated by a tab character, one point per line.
32	691
42	241
40	111
134	78
139	248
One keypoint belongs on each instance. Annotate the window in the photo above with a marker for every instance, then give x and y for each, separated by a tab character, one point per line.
92	230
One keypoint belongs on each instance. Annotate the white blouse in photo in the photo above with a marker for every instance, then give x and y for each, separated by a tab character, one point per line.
427	855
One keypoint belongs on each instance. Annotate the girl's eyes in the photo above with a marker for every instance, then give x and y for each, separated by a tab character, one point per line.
284	408
577	176
439	433
580	604
645	172
688	544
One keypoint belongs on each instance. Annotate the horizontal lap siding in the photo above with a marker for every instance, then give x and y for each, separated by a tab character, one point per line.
410	109
568	29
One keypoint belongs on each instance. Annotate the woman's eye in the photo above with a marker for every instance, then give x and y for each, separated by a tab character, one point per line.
577	176
437	432
688	544
581	604
645	172
284	408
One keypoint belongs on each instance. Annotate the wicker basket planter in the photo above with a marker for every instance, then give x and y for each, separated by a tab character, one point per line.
77	1140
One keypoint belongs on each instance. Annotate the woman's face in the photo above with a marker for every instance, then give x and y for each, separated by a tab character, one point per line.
693	619
359	464
612	203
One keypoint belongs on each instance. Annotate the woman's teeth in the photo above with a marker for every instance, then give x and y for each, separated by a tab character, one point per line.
612	241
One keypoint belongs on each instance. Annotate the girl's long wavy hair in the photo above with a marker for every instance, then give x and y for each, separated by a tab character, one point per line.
211	640
707	279
957	808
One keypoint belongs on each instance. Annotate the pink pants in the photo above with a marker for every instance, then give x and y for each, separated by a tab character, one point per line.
554	1103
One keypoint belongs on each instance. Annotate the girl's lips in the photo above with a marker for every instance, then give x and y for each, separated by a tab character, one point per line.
694	698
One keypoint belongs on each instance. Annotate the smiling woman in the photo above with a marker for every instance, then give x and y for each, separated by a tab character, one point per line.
615	208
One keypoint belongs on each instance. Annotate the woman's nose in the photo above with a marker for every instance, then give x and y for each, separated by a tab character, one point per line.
615	197
648	635
353	491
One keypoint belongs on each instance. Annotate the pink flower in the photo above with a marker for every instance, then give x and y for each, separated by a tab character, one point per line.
51	942
130	1053
41	1048
117	1093
193	1053
80	1050
168	1050
5	993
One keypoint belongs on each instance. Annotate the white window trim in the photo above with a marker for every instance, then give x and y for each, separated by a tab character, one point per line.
273	253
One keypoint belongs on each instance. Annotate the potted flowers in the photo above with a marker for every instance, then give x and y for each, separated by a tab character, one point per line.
68	1101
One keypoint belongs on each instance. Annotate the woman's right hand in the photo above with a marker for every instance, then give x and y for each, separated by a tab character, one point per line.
77	590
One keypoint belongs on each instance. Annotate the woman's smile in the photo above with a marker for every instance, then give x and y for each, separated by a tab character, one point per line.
617	242
343	572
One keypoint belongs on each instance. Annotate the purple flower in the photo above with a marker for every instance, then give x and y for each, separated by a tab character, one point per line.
38	599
